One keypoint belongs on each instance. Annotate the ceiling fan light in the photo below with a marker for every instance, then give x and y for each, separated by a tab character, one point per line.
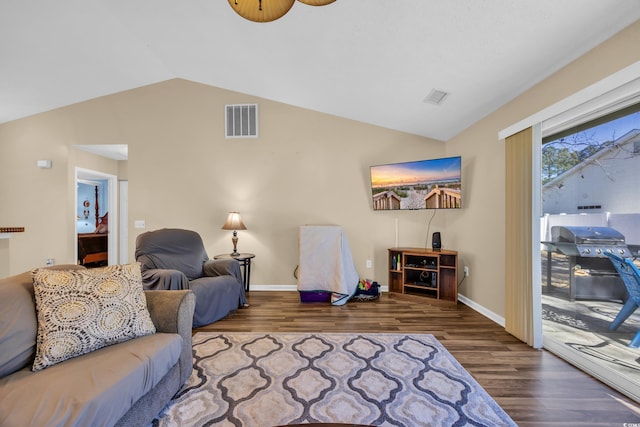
316	2
261	10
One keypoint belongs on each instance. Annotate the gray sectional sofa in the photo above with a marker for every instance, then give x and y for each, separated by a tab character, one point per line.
125	384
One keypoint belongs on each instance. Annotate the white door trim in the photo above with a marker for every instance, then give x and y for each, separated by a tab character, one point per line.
82	173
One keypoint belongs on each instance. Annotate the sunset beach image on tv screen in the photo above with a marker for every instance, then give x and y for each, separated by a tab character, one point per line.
422	184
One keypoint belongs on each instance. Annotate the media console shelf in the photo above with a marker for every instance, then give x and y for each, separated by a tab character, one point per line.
430	273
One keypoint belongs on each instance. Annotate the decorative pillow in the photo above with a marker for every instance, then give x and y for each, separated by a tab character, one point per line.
80	311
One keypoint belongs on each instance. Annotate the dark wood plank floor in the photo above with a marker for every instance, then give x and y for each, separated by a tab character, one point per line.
533	386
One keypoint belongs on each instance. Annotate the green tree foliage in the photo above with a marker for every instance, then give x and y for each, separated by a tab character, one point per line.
556	160
562	154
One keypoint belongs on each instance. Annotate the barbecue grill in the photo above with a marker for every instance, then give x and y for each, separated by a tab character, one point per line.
583	249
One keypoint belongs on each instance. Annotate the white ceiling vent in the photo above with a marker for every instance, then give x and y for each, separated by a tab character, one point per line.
436	97
241	121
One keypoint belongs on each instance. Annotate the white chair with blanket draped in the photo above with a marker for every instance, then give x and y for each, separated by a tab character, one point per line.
326	264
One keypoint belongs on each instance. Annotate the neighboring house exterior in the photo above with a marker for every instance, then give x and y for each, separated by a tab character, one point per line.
608	181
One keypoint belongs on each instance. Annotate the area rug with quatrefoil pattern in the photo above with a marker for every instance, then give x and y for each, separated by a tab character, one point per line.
271	379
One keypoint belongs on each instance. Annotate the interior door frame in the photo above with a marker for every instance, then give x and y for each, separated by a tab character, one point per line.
112	196
123	190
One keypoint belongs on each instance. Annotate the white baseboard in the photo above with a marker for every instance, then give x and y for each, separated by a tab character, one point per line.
384	288
482	310
274	287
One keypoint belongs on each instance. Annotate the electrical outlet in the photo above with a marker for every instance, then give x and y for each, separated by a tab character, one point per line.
49	262
369	263
139	223
466	271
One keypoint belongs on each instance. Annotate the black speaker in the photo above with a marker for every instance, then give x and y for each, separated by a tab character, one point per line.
436	243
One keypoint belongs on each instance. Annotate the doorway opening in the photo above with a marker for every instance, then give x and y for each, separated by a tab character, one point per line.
96	206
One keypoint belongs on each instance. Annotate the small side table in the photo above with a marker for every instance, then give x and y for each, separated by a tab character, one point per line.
245	261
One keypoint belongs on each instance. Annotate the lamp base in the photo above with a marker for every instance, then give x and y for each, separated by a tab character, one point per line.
234	239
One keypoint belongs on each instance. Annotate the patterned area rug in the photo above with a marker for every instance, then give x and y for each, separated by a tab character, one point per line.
258	379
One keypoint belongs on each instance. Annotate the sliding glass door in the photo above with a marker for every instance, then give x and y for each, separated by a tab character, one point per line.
590	199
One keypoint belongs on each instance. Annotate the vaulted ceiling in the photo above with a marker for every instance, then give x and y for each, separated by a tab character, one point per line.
373	61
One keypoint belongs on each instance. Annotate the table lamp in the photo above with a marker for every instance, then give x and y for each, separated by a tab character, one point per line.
234	222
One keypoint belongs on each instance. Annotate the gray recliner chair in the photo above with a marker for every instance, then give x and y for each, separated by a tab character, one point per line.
173	258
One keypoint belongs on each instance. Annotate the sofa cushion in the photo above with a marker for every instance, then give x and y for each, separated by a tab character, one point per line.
95	389
18	326
81	311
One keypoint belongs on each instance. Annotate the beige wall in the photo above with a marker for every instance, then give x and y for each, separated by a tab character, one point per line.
41	200
306	168
478	231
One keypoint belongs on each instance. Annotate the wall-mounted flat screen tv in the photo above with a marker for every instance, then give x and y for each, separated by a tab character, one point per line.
422	184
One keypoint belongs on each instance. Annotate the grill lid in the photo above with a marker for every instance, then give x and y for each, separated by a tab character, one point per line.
587	235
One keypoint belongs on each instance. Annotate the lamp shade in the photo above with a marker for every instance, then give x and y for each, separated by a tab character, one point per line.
234	222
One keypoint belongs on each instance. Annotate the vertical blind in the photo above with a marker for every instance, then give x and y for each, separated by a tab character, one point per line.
519	311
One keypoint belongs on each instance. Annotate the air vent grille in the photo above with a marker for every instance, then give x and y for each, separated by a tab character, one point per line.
436	97
241	121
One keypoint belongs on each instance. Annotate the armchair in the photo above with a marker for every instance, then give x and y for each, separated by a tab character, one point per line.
174	259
